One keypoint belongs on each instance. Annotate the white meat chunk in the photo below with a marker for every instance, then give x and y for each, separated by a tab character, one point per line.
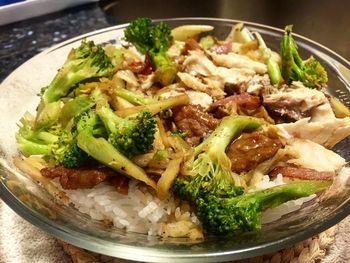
327	132
233	60
195	83
308	154
295	103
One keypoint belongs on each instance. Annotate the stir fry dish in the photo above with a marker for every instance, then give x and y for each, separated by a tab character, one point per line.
174	132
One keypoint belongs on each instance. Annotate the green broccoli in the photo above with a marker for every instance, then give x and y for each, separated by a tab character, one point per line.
273	68
131	136
85	62
211	169
89	140
154	40
227	215
309	72
133	97
55	143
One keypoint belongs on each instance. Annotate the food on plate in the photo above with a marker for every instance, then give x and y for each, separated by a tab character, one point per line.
174	132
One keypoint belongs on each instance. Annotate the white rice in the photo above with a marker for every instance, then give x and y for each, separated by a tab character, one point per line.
138	211
144	212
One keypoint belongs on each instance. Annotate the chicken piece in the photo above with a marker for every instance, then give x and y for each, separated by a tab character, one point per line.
327	132
308	154
194	83
196	123
251	149
294	104
232	60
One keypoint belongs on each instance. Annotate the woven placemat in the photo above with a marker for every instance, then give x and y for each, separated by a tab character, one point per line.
308	251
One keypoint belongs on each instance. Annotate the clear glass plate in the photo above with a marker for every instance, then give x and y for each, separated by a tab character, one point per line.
35	204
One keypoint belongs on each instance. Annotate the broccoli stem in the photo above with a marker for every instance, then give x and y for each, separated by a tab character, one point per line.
101	150
229	127
133	97
157	107
273	69
110	120
73	108
275	196
29	148
165	68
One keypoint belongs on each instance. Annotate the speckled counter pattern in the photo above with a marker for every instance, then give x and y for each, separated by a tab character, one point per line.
22	40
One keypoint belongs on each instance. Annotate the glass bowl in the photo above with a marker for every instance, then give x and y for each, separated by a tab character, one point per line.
18	95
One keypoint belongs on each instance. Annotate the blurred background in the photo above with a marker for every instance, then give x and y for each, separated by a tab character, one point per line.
43	23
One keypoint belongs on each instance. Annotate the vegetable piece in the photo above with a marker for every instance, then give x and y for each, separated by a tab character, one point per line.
167	178
182	33
339	109
227	215
309	72
273	69
154	40
240	34
130	136
55	143
73	108
157	107
211	172
133	97
85	62
104	152
207	42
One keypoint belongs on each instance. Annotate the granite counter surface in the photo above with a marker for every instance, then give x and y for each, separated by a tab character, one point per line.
22	40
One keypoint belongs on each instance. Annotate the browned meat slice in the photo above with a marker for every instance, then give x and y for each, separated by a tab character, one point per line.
301	173
75	178
195	122
121	183
250	149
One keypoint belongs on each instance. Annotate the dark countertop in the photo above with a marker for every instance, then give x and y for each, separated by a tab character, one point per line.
326	22
22	40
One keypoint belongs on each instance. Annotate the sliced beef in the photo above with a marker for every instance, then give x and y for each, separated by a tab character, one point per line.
120	183
301	173
250	149
84	177
195	122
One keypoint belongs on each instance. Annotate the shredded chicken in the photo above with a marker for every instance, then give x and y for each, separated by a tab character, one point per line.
294	103
232	60
327	132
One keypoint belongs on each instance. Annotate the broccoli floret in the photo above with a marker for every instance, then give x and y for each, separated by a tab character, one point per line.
154	40
211	172
309	72
55	143
131	136
85	62
103	151
227	215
